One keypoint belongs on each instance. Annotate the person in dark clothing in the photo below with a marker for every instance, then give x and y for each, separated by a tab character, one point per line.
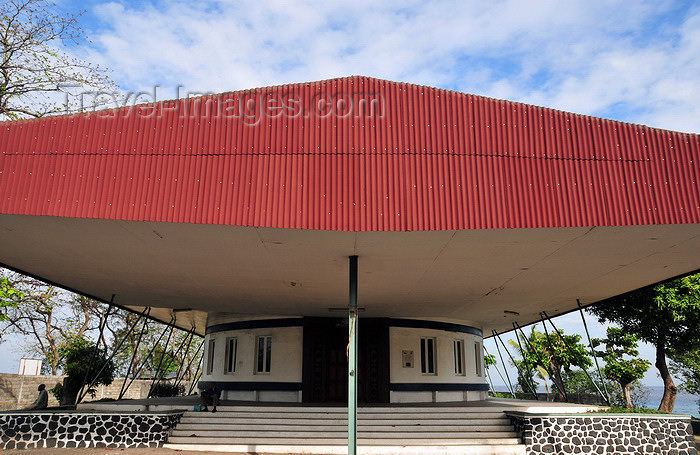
42	401
210	397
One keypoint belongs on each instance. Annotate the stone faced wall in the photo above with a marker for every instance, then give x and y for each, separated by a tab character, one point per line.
21	430
625	434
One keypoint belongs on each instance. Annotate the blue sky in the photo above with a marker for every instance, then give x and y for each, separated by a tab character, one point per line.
631	60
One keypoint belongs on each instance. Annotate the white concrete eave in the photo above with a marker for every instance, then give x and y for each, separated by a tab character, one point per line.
490	278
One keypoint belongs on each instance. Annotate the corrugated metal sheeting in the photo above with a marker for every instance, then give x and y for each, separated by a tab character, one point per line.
353	154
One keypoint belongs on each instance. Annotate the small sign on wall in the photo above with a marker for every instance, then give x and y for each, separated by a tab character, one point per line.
407	359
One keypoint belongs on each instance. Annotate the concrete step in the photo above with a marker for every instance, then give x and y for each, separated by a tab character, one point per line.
360	410
474	449
230	427
329	441
340	433
323	430
222	413
215	419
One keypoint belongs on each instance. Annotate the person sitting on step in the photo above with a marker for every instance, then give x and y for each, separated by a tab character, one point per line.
210	397
42	401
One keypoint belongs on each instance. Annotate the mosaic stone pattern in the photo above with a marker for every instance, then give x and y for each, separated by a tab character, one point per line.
26	430
554	435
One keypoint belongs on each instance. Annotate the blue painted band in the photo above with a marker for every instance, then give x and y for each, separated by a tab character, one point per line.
446	326
430	387
250	386
256	324
299	322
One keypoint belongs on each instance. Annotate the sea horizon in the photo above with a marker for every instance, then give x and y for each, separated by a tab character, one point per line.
686	403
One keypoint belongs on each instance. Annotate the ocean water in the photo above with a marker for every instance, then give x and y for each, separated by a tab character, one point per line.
685	402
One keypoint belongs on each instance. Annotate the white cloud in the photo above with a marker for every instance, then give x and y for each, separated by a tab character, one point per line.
633	60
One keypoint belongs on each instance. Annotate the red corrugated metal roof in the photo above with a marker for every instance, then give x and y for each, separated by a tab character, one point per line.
424	159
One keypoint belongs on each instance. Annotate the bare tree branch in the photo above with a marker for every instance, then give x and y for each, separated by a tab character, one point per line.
32	66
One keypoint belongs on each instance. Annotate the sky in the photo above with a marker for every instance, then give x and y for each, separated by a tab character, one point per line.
635	61
629	60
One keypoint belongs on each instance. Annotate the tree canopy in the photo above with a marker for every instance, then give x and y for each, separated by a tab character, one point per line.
666	315
9	296
555	352
85	363
619	346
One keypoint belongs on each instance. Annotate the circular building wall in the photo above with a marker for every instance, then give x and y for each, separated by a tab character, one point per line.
305	359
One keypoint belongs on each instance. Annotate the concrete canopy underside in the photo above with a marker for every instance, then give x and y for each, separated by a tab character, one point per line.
470	275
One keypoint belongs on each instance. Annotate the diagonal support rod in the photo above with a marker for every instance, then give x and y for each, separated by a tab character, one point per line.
528	383
528	365
145	360
551	346
580	361
189	364
595	357
125	387
162	355
121	342
537	354
103	324
500	375
510	385
176	354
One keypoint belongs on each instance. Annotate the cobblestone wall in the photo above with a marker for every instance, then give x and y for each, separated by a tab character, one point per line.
628	434
23	430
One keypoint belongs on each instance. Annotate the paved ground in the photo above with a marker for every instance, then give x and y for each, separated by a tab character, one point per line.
114	452
147	451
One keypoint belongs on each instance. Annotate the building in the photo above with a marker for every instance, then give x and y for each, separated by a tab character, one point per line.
235	214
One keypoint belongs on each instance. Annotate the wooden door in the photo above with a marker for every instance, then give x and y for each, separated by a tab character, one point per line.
325	369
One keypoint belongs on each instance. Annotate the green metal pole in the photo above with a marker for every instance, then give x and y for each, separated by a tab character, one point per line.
352	359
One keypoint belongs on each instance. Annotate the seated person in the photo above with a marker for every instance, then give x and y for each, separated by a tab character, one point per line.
42	401
210	397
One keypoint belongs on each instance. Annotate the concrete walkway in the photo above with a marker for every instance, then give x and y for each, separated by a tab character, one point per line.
144	451
188	402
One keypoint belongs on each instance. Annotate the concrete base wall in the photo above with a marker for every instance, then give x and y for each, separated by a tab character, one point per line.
19	391
436	396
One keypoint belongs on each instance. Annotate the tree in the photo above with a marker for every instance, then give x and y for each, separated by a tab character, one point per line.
9	296
86	364
48	316
32	69
528	367
556	352
666	315
619	344
686	365
180	355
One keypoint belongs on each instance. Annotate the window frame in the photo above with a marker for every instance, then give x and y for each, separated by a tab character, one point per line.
458	352
231	355
263	365
479	358
428	356
211	350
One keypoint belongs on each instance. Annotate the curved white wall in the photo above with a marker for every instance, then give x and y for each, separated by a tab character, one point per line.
408	339
285	365
407	382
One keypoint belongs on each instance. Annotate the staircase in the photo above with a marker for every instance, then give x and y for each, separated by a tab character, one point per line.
323	430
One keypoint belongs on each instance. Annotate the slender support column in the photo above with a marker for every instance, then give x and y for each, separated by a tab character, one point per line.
352	359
